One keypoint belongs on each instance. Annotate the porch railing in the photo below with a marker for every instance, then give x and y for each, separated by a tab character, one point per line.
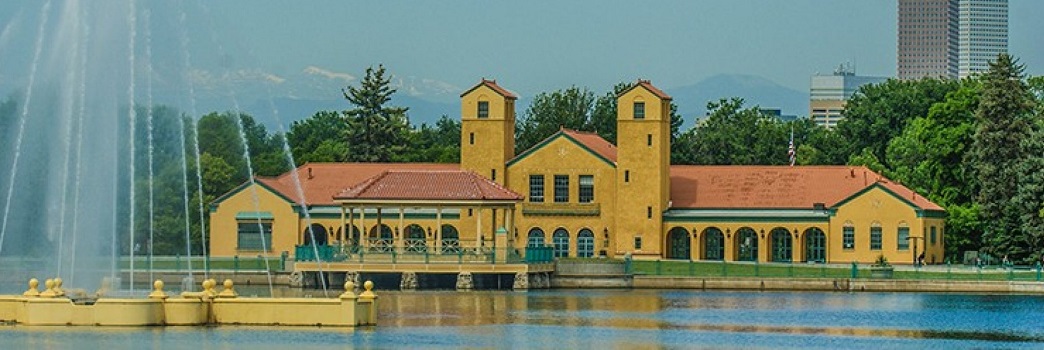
420	253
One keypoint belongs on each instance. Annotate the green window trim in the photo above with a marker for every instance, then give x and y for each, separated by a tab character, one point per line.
848	238
875	238
903	238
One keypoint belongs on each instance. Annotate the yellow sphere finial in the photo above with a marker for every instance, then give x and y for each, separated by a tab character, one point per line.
157	290
228	292
33	291
368	285
349	290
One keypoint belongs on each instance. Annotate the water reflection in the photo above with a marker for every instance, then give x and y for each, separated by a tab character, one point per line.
616	319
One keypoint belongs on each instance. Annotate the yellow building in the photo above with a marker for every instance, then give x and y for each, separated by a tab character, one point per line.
582	196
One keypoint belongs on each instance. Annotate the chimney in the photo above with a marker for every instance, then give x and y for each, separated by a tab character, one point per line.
310	173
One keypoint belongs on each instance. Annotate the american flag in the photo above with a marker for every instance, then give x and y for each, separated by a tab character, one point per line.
790	150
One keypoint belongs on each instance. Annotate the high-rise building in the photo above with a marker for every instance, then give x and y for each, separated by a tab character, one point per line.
830	93
928	39
983	34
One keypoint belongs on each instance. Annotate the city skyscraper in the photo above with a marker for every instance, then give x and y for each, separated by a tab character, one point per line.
830	93
983	34
928	39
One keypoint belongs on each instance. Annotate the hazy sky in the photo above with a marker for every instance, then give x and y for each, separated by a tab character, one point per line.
534	46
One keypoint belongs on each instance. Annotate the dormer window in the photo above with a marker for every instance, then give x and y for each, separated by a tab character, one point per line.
639	110
483	109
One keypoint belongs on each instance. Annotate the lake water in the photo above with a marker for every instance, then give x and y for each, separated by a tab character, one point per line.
578	319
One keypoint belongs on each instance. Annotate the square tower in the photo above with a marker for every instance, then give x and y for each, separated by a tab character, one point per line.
487	130
643	123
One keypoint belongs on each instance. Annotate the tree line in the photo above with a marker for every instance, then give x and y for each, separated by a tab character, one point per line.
974	146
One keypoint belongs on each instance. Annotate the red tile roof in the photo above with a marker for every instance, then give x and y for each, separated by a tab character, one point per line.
448	185
320	182
760	187
492	84
648	86
594	142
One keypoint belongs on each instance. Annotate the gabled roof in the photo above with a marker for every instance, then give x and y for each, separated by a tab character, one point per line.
781	187
492	84
588	141
320	182
434	185
648	86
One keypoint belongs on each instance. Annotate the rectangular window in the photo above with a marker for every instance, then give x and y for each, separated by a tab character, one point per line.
472	138
483	109
586	188
648	212
627	176
933	235
639	110
849	237
561	188
536	188
875	238
637	243
252	234
493	174
903	239
648	140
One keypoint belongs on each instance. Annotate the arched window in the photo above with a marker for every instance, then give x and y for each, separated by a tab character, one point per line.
450	239
746	244
902	236
875	236
713	244
585	244
314	233
815	245
678	243
536	238
782	247
560	239
381	238
415	239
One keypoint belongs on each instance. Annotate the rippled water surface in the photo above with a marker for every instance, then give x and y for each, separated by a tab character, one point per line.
573	319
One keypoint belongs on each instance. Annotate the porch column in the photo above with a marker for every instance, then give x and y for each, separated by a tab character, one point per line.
351	223
345	231
364	234
399	237
509	219
438	229
380	224
478	227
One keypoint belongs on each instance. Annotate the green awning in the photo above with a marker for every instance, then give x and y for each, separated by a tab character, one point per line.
254	215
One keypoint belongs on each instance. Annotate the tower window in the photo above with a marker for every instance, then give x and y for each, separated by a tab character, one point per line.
586	188
637	243
648	139
536	188
648	212
639	110
561	188
472	138
483	109
493	174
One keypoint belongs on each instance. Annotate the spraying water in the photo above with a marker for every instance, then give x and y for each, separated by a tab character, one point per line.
22	118
71	76
86	32
132	19
149	114
187	58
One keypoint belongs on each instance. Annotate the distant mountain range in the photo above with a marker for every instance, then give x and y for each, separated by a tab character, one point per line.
755	91
301	95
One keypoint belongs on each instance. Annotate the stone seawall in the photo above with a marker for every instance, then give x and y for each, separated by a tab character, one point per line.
838	284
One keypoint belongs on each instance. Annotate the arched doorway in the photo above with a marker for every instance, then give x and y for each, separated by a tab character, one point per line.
746	244
536	238
781	245
560	239
713	244
315	230
351	238
678	243
585	244
381	239
450	239
815	245
415	240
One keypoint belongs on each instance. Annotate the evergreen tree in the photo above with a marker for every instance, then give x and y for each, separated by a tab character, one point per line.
998	155
375	132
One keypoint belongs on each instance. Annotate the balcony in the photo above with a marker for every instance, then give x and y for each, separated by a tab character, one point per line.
561	209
